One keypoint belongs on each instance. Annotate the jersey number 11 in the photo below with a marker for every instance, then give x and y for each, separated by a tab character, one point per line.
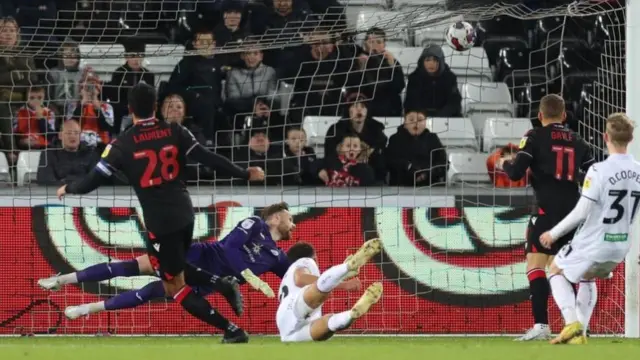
561	151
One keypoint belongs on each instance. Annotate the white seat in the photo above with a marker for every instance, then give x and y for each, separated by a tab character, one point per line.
492	97
472	63
27	167
162	59
284	95
468	167
104	59
499	132
316	128
5	174
390	124
407	56
454	132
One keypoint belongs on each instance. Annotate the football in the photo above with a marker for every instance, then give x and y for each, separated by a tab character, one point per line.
461	36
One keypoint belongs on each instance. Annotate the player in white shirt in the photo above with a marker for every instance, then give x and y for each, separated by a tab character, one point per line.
610	198
303	291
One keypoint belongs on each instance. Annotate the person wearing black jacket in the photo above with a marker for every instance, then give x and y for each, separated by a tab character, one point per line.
318	71
300	158
433	86
382	79
347	166
231	32
357	121
123	79
199	78
70	162
415	156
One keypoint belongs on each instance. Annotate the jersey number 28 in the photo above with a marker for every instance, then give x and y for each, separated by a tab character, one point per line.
169	167
617	206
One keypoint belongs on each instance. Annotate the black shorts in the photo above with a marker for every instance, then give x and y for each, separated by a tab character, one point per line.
168	252
538	224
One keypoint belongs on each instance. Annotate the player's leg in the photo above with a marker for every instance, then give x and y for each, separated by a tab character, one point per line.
171	263
568	268
99	272
227	286
586	300
125	300
537	259
324	328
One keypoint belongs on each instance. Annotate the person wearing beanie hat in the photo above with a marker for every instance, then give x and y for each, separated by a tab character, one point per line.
230	32
356	120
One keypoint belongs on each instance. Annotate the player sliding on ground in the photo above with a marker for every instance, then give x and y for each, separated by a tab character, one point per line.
247	252
556	158
303	291
608	206
152	155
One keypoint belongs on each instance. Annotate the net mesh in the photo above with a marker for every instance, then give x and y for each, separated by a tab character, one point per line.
453	261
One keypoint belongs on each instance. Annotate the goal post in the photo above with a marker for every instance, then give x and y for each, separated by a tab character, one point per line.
632	278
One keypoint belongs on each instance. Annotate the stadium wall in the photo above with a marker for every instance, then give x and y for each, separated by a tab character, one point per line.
452	264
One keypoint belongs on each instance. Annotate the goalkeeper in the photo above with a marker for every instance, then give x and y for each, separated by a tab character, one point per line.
248	251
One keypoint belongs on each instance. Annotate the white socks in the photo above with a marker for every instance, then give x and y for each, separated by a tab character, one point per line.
586	300
340	321
95	307
565	297
70	278
332	278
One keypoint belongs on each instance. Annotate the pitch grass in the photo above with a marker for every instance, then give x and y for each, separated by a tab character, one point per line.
339	348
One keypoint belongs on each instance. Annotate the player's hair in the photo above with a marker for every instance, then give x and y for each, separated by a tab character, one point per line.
620	129
274	209
142	100
300	250
552	106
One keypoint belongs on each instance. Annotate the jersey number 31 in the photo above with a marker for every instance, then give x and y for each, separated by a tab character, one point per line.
617	206
169	168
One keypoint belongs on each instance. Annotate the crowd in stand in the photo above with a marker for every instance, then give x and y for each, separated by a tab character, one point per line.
228	99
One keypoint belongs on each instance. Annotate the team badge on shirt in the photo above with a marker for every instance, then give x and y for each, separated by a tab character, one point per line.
587	183
105	153
523	142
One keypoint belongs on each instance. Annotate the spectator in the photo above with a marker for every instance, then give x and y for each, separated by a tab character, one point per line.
415	155
280	19
72	162
31	13
94	116
199	78
174	110
124	78
319	72
300	158
347	165
65	78
262	114
500	178
16	76
432	86
35	123
254	80
261	152
358	122
7	9
382	77
230	32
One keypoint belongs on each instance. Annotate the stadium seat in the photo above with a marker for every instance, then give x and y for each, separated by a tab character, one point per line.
5	174
316	128
407	56
499	132
487	97
391	124
493	46
432	29
27	167
468	168
454	132
395	23
162	59
285	92
104	59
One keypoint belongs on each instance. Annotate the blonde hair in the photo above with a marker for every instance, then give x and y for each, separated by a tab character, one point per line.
552	106
620	129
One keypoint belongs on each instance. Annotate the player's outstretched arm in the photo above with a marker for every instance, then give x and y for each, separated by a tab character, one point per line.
516	168
97	177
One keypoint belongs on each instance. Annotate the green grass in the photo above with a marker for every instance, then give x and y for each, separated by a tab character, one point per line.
340	348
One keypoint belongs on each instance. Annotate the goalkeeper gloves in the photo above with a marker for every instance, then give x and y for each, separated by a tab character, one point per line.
257	284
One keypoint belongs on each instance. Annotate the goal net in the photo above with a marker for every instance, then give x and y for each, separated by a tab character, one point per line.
453	260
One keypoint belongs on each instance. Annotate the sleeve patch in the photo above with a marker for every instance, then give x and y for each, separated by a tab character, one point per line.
587	183
247	224
523	142
105	153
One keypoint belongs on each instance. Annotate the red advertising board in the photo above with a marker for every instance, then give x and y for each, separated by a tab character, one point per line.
454	270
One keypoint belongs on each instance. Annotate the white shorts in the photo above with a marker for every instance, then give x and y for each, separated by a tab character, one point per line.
294	318
576	266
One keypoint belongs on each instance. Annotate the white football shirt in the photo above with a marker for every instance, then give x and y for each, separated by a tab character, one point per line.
288	286
614	186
